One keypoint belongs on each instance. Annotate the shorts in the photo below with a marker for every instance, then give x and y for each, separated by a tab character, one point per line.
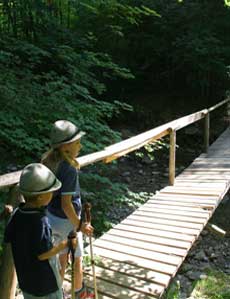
55	295
54	263
60	229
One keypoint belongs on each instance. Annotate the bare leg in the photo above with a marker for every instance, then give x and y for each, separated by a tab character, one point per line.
78	272
63	261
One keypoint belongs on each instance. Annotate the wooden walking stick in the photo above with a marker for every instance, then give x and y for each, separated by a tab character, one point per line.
88	219
71	250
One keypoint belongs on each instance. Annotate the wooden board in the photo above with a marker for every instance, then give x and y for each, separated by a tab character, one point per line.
169	222
170	203
133	270
139	252
109	288
174	210
143	245
184	199
136	260
162	227
157	233
130	282
171	216
192	191
150	239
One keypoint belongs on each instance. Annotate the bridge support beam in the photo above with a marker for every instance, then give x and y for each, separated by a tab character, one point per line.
206	132
172	157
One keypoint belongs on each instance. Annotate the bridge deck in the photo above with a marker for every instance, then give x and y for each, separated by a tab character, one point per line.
139	256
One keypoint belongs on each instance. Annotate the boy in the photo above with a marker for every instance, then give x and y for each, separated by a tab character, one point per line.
29	233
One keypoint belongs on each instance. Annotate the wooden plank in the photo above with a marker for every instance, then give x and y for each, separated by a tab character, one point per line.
204	177
139	252
135	260
133	270
169	222
166	202
155	236
177	210
183	199
212	159
128	282
201	197
200	186
143	244
169	228
225	173
150	239
183	237
191	191
171	216
209	166
107	288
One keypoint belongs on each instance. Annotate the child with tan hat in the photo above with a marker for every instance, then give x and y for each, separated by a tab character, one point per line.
65	207
29	233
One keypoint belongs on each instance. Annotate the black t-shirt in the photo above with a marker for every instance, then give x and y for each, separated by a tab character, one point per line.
30	235
68	175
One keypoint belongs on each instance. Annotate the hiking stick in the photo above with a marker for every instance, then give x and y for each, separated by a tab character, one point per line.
88	219
71	250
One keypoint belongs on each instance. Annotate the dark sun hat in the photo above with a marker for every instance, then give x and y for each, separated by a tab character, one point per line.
37	179
64	131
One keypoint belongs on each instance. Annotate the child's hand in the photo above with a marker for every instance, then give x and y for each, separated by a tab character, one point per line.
8	209
87	228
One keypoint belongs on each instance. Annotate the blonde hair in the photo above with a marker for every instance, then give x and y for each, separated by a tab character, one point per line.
53	157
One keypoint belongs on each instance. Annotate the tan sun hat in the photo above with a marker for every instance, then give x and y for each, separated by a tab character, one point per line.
36	179
64	131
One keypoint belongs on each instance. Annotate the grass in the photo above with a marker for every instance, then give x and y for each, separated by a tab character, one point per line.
216	285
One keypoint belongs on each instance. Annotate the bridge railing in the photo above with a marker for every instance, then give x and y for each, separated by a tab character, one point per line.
126	146
108	154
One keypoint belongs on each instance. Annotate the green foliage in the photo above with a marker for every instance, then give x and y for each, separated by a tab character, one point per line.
33	97
214	286
173	292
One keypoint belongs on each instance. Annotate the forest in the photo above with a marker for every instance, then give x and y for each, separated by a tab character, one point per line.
106	65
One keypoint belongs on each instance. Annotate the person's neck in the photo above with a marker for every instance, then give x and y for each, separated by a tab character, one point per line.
33	205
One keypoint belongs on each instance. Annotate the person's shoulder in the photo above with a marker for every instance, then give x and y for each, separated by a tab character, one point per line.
68	167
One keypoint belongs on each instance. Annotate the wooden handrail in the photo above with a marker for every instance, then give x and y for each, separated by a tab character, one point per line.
219	105
126	146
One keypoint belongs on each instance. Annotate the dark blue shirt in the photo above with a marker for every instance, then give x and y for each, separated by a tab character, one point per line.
30	235
68	175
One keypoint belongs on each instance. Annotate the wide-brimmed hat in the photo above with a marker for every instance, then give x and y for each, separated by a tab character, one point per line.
64	131
37	179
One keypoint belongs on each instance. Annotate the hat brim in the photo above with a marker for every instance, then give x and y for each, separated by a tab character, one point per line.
76	137
57	185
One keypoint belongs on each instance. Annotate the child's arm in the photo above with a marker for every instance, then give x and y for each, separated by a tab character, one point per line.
53	251
67	206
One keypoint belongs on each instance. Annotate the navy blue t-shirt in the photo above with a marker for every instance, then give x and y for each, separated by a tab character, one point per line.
68	175
30	235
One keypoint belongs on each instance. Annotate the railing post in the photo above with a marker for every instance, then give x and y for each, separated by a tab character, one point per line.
228	111
206	131
172	157
8	279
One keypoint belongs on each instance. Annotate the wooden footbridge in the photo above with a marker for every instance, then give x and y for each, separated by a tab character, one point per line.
139	256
